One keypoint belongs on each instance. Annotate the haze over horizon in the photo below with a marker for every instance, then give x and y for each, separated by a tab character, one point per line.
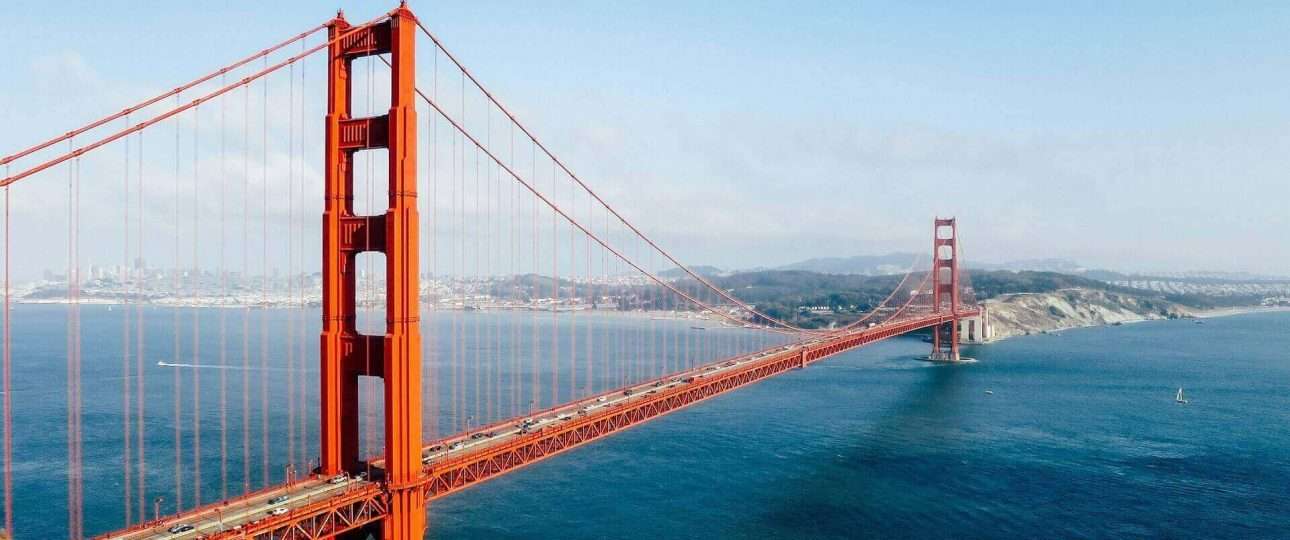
1142	137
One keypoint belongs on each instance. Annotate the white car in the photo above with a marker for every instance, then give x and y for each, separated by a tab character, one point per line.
338	479
277	511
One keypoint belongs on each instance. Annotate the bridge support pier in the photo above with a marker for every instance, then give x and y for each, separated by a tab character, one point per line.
945	290
347	354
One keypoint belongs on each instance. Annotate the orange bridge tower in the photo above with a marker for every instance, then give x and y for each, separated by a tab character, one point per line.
395	357
945	290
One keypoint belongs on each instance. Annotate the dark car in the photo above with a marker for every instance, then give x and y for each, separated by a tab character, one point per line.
182	527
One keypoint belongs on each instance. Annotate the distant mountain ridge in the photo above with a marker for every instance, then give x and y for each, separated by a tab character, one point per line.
863	265
899	263
701	269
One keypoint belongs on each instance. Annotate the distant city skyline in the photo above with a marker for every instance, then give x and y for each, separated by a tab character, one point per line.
1146	136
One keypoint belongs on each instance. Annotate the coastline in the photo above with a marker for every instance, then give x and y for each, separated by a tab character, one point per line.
1050	313
1240	310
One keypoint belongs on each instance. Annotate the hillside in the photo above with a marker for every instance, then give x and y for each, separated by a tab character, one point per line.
1020	302
1028	313
789	294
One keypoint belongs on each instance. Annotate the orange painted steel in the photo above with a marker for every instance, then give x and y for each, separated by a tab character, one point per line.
354	510
945	337
394	233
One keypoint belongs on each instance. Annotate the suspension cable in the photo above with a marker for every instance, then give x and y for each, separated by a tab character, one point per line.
181	108
696	276
548	202
156	99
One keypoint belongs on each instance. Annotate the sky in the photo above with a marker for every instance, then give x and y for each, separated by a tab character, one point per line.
1139	136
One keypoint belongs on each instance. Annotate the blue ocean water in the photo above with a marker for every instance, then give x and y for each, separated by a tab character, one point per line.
1081	437
503	364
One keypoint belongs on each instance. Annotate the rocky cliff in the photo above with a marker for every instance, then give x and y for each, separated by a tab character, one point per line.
1020	314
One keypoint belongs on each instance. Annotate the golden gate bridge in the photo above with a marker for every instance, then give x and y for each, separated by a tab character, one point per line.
432	191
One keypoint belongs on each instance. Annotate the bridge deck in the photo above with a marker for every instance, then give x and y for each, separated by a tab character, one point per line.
318	508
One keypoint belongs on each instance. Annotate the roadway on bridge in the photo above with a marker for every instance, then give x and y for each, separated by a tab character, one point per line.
234	515
237	514
500	433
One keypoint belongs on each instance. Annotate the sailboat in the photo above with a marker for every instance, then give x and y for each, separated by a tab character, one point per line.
1179	398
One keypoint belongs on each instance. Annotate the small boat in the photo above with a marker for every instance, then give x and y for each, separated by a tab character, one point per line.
989	392
697	328
1179	398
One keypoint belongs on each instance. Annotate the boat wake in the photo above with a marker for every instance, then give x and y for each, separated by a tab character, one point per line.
215	366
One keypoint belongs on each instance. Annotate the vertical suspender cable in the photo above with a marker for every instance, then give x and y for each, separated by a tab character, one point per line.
126	432
573	298
74	472
477	238
302	429
264	282
302	365
489	238
536	368
223	292
246	308
174	383
491	356
455	261
141	451
555	302
514	242
432	203
6	375
194	288
535	395
291	290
